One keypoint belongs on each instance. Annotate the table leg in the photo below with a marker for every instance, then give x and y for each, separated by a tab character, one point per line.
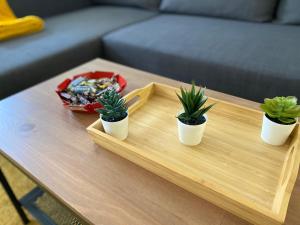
13	198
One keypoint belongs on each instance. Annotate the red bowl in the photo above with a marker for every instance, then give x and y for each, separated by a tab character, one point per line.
88	108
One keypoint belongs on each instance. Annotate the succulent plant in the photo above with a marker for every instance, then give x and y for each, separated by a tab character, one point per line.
114	107
193	104
283	110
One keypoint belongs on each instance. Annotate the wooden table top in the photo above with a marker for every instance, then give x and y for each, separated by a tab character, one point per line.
51	145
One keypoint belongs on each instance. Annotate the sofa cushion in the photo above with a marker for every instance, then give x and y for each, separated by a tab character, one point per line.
148	4
251	10
67	41
250	60
289	12
45	8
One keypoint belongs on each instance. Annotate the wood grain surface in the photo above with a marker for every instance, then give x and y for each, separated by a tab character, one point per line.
51	145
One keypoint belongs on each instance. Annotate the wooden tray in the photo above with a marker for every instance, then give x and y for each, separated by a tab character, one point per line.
231	168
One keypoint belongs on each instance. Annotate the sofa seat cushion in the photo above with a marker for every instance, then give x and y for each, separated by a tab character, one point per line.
147	4
249	60
289	12
67	41
251	10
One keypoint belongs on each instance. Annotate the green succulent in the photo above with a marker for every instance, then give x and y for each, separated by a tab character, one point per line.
282	110
193	104
114	107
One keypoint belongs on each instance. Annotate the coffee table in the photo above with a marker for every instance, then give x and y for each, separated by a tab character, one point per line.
51	145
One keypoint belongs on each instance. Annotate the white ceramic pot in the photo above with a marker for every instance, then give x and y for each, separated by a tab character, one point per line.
190	134
117	129
275	133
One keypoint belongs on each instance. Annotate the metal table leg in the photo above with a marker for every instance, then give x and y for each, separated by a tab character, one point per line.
13	198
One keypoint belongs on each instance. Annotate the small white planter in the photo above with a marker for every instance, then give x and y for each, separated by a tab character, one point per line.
275	133
117	129
190	134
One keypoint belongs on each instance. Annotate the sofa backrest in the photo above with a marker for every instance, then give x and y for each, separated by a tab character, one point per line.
289	12
249	10
147	4
45	8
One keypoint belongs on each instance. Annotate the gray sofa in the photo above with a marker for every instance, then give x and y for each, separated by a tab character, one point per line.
251	51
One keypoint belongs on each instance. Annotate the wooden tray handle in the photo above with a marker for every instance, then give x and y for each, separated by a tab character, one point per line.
138	97
291	157
289	170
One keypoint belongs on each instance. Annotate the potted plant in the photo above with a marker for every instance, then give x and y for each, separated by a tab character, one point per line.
280	118
191	121
114	115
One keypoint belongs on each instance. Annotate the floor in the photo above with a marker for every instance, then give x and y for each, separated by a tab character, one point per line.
22	185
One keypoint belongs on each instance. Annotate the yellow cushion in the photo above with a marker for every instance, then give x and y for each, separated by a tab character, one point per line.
10	26
5	11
